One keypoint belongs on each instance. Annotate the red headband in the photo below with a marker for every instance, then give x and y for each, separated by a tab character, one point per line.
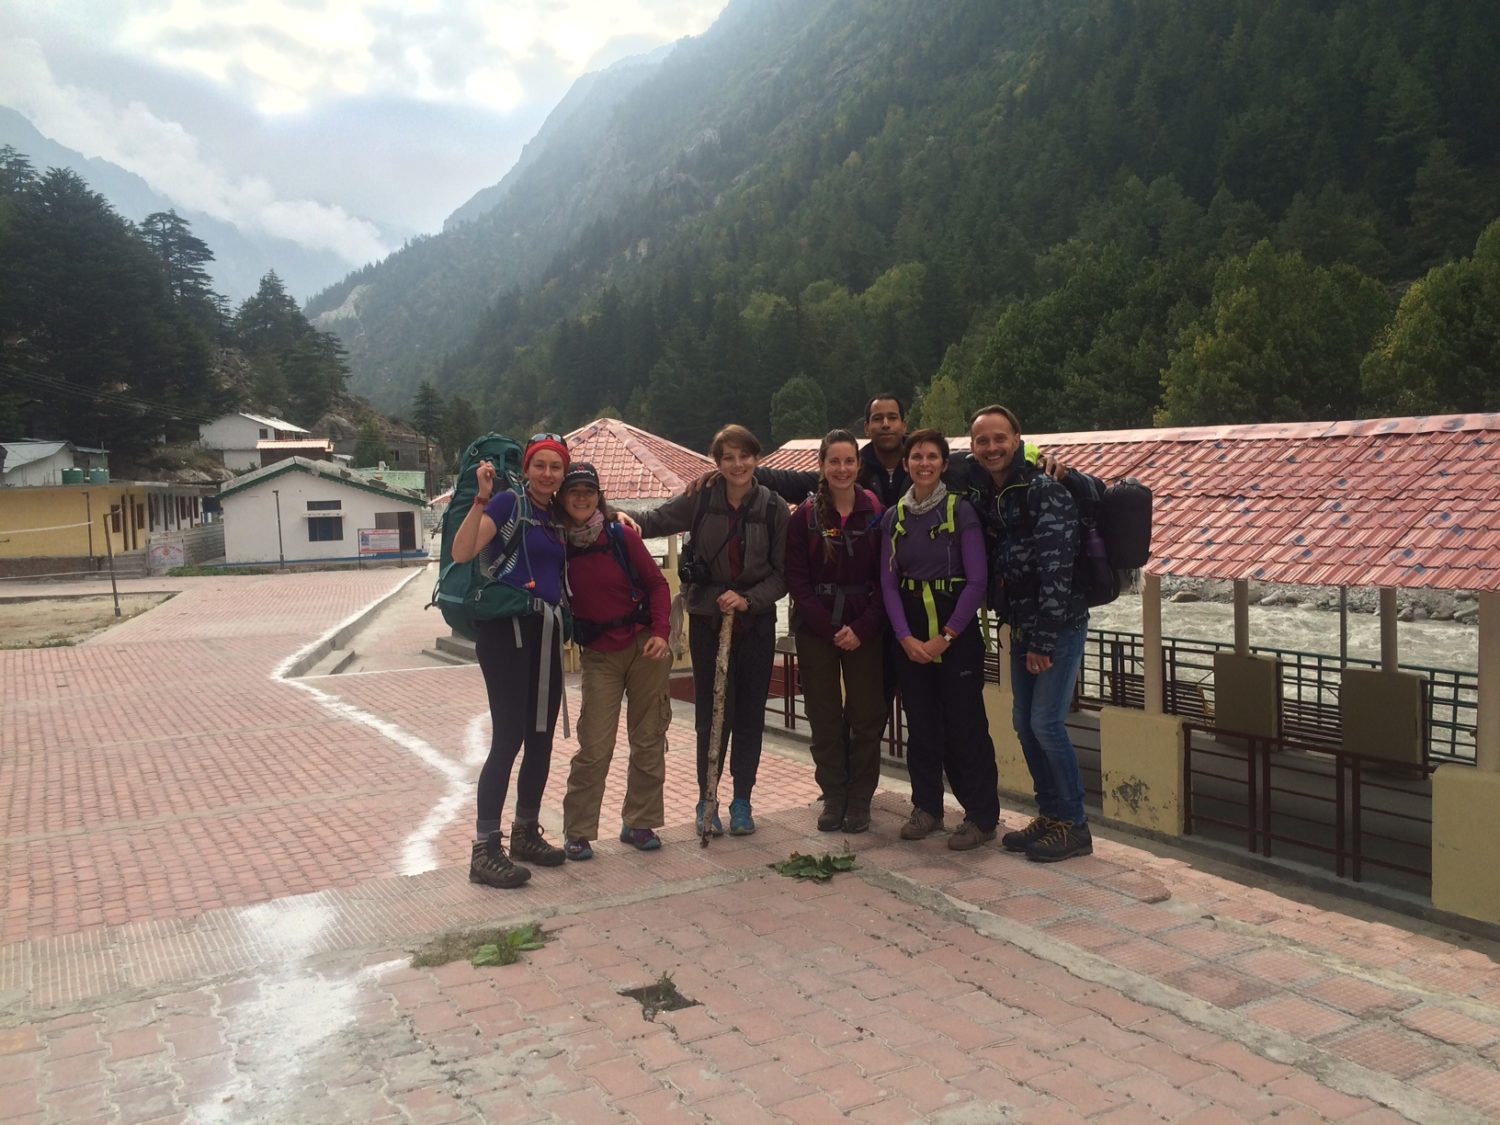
556	446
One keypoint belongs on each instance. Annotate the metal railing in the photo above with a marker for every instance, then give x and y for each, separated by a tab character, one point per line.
1114	668
1308	802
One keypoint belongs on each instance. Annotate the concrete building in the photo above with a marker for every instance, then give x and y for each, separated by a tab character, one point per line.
299	511
25	464
72	529
240	439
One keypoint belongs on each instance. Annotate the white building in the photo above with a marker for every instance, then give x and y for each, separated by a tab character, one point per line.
38	463
240	438
315	511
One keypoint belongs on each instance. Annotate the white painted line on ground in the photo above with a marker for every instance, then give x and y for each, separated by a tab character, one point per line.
292	1016
417	853
423	751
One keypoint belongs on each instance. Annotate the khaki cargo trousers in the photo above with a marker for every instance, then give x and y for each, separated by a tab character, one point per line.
607	678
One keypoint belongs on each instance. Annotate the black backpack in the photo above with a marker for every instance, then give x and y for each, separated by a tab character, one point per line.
1114	538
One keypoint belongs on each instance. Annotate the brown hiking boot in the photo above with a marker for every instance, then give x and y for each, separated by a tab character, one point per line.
968	836
857	816
527	843
1023	839
920	824
492	867
832	816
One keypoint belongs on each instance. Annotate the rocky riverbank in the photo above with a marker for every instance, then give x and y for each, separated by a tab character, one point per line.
1412	605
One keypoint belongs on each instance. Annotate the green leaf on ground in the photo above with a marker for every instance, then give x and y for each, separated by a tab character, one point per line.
820	868
481	947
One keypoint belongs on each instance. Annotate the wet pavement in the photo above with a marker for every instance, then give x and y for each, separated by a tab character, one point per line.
216	872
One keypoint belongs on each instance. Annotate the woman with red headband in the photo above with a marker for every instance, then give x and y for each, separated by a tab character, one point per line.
521	657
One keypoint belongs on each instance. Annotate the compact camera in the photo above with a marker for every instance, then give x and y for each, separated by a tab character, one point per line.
691	570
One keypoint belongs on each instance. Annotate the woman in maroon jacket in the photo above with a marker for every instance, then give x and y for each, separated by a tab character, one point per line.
832	573
621	607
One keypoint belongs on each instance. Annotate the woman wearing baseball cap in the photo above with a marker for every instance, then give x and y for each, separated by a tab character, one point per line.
621	610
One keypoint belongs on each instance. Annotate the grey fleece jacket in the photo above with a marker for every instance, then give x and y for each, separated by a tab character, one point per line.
763	581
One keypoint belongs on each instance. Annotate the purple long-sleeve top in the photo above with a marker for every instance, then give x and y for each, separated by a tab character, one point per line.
536	565
922	556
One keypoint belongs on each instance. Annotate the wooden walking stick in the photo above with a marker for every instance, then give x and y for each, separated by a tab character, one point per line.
716	728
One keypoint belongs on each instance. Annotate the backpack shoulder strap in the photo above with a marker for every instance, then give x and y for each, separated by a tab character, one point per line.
616	535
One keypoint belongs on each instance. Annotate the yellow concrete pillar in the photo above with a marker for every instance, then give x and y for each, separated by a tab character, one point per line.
1242	617
1141	760
1465	876
1151	650
1015	778
1389	652
1487	736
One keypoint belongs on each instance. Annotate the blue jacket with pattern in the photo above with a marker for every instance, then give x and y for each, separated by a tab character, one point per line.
1031	529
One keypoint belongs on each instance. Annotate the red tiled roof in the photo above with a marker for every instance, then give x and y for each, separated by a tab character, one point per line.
1395	502
635	464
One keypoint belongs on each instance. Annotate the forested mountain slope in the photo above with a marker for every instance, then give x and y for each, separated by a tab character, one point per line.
1104	212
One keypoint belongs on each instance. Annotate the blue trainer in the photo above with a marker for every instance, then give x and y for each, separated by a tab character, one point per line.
741	823
718	825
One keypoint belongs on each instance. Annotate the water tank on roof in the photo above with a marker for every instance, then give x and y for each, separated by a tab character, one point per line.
97	476
72	476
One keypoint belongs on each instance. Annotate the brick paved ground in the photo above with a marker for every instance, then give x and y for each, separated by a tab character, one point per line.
206	918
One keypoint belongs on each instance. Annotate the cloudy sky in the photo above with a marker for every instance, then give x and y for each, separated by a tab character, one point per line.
308	118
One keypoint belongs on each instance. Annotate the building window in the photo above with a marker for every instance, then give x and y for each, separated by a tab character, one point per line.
325	529
264	433
325	505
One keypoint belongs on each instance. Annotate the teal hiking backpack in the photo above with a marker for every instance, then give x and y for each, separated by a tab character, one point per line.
467	592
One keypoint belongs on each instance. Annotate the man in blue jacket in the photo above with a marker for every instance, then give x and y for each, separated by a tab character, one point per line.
1032	530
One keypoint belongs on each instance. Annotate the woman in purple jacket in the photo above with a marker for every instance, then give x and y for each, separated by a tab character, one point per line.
832	573
933	578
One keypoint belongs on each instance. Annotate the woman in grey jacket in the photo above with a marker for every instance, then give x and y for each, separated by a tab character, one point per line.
736	560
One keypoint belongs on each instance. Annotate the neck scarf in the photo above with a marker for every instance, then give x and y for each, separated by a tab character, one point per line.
587	534
915	507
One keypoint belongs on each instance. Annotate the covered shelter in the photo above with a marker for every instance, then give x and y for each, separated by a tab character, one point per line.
1393	503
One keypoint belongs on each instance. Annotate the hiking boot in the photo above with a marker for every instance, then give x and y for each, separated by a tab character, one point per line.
920	825
968	836
716	824
831	819
857	816
492	867
527	842
1061	841
1023	839
641	839
576	847
741	823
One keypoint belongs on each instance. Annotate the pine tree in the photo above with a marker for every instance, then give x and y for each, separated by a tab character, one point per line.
798	410
370	447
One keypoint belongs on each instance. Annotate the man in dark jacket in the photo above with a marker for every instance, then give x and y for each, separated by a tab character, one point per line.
880	467
1032	529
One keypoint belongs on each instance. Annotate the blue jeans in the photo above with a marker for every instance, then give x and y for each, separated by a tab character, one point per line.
1042	702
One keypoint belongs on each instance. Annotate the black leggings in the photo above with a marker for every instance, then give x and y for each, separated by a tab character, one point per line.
510	678
751	654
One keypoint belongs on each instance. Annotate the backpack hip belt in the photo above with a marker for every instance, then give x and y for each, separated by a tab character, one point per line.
926	592
838	592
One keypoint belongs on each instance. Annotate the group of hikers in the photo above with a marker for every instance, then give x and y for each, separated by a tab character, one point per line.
889	556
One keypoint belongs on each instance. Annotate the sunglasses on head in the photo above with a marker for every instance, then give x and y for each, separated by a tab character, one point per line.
547	437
